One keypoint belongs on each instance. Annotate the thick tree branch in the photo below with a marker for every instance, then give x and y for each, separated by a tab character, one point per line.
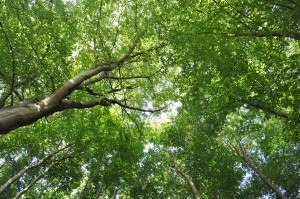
129	77
93	80
125	55
71	104
291	34
265	107
101	77
98	79
16	117
72	84
103	101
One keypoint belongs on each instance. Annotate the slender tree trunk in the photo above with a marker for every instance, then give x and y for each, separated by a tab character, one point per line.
92	177
33	182
186	177
26	168
99	191
241	151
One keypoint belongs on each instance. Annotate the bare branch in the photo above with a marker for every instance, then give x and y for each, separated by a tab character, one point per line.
132	119
98	79
148	50
130	77
20	97
126	55
113	101
114	90
90	91
101	77
103	101
70	104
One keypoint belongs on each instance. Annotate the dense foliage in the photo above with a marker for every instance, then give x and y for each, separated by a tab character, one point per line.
149	99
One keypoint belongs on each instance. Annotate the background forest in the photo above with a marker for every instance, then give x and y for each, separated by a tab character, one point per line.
149	99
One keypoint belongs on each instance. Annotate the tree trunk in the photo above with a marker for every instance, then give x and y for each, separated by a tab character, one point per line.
54	162
241	151
26	168
186	177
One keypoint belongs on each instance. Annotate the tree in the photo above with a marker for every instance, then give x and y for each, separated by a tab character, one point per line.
236	57
103	158
241	151
258	146
32	166
232	67
53	95
49	53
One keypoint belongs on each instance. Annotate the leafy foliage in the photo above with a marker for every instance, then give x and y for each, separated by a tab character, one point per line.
232	66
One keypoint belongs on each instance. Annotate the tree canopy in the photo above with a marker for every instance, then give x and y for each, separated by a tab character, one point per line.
149	99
